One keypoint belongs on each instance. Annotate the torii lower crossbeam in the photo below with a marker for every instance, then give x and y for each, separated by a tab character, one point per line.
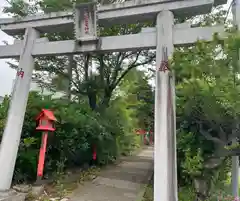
133	42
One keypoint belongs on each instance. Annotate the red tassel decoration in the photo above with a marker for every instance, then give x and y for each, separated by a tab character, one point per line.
94	152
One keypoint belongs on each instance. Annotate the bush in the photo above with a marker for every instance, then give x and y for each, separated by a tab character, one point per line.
77	130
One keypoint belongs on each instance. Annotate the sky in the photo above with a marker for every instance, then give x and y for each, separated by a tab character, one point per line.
7	74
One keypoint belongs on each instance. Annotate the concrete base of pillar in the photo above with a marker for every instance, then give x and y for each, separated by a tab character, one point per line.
12	195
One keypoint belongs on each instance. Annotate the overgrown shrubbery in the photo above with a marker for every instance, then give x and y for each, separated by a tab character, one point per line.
77	130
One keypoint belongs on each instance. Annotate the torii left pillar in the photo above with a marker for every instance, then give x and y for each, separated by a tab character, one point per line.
13	129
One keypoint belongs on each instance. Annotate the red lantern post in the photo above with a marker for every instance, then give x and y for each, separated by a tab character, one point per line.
145	140
45	121
151	138
94	155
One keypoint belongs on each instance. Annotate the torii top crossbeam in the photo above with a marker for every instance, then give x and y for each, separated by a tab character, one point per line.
120	13
110	13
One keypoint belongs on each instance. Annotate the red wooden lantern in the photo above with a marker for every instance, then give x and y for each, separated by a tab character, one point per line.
46	120
140	131
45	123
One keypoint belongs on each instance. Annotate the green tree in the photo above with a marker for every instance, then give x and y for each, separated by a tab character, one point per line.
139	96
207	109
110	68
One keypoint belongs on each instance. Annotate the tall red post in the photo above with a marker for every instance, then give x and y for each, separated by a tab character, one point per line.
151	138
145	140
42	153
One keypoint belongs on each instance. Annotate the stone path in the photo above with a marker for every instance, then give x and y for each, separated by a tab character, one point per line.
123	182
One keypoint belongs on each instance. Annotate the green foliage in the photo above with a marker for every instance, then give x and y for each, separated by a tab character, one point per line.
77	130
148	195
207	79
194	163
186	194
139	96
207	112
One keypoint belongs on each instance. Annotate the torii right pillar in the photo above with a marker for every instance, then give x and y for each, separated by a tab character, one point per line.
165	168
235	159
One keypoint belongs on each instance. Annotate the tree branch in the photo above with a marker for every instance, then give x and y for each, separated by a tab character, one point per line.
133	65
227	153
117	68
101	69
209	137
86	66
235	133
222	134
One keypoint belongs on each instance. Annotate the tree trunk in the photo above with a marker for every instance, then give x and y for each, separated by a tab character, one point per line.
202	187
92	100
106	98
105	102
69	72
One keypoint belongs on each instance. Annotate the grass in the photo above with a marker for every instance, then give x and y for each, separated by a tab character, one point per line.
65	185
184	194
148	195
187	194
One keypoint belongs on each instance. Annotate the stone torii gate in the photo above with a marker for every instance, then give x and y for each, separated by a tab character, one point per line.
84	20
